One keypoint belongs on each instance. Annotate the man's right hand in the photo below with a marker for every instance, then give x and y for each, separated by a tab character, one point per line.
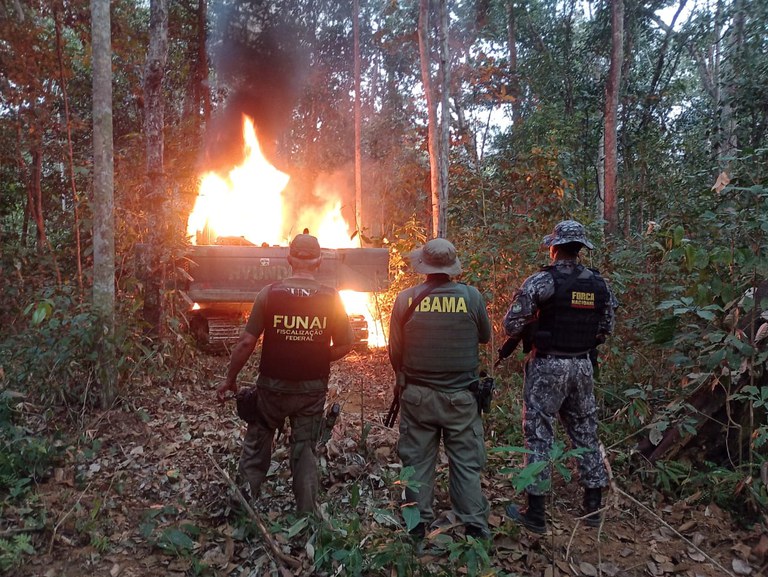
397	388
221	391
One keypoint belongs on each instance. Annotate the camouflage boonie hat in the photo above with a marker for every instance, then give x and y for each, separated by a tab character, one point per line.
568	231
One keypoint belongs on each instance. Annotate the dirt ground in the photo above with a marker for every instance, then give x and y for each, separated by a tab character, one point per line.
144	493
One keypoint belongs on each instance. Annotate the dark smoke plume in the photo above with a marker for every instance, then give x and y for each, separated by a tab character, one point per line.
261	64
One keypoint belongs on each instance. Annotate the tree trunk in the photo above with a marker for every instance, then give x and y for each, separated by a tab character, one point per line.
445	120
467	135
35	191
103	196
358	127
202	59
514	81
728	144
612	89
600	197
70	155
155	192
197	97
568	95
432	138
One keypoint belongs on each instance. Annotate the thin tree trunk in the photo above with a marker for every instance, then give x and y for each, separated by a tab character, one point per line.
612	89
600	199
654	97
568	95
202	59
103	196
23	169
445	119
358	126
70	155
729	144
432	138
468	136
36	191
155	191
514	81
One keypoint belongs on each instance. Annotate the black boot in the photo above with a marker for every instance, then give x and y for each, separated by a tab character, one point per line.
477	532
533	518
592	504
418	532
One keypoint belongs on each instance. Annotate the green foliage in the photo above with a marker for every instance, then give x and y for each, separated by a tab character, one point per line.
528	475
409	511
161	532
56	354
100	543
12	551
473	554
670	476
359	545
24	457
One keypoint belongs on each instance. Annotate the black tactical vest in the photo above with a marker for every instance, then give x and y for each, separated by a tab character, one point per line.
297	333
441	335
569	321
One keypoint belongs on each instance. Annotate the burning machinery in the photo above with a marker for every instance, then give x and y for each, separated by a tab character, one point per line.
225	279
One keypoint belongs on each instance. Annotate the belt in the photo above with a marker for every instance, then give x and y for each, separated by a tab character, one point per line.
539	355
419	383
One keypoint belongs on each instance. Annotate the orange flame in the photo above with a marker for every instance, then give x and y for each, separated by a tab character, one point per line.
249	203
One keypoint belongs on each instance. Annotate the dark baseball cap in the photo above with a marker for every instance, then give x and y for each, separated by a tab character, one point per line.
305	246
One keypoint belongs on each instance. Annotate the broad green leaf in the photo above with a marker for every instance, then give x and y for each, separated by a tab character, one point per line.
706	315
677	235
175	539
297	527
385	517
411	515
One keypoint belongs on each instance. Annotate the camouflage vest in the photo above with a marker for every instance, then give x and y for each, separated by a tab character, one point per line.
297	333
441	335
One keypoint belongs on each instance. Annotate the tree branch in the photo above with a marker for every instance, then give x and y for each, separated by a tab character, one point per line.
284	559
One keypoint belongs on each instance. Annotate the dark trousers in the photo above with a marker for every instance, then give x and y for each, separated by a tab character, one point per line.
305	412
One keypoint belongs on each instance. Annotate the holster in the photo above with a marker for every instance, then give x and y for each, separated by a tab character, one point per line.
483	391
247	402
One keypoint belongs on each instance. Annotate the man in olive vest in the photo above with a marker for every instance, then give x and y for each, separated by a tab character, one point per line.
433	348
572	311
305	328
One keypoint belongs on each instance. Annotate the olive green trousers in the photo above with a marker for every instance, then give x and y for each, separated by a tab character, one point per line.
428	415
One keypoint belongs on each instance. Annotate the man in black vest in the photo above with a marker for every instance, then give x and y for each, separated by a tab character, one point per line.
572	311
433	348
305	328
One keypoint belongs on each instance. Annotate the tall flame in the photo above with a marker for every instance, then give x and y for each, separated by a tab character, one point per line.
249	203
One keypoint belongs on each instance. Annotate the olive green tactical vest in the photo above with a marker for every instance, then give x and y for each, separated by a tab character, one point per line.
442	334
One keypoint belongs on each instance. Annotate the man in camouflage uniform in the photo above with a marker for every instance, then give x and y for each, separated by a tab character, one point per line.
305	328
434	352
566	310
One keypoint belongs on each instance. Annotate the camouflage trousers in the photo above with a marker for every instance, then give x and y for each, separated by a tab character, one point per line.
305	412
561	388
426	416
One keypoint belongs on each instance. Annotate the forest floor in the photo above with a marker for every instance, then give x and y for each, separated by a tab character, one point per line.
144	493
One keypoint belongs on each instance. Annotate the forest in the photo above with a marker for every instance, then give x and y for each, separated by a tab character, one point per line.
136	137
